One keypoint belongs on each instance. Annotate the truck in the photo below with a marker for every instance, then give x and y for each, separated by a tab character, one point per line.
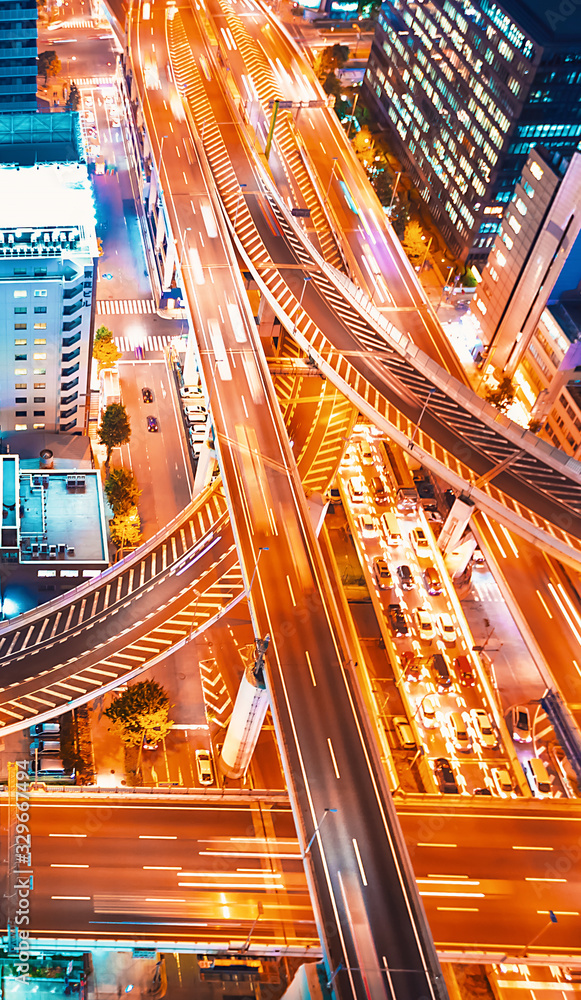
406	495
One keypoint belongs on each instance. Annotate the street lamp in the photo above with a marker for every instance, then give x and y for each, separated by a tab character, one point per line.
335	161
263	548
424	407
552	920
163	138
183	232
316	830
242	186
397	177
352	113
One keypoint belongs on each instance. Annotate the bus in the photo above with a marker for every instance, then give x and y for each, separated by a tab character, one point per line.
406	495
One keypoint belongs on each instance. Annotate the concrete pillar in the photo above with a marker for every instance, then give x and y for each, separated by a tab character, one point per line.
247	718
204	468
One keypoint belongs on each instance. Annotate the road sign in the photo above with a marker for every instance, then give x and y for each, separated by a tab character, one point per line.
285	105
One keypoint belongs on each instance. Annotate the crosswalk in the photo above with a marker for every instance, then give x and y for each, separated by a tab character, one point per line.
93	81
128	344
124	307
78	22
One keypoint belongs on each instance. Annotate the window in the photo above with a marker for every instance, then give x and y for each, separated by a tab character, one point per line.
514	224
20	326
38	309
20	342
481	306
69	572
20	310
20	371
20	293
19	272
20	385
46	572
39	399
38	293
521	207
39	413
40	326
21	413
40	371
507	241
39	272
39	357
500	258
536	171
529	189
38	427
20	427
38	385
20	399
40	340
21	357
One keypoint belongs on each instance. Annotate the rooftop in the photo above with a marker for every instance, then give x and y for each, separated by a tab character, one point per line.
61	517
546	23
49	196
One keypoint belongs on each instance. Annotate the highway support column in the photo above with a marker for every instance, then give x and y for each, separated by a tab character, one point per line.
247	718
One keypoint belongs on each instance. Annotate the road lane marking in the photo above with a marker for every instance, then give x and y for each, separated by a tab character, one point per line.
436	845
359	861
310	665
70	897
68	835
291	591
532	848
459	909
152	836
333	758
541	599
461	895
538	879
69	866
162	868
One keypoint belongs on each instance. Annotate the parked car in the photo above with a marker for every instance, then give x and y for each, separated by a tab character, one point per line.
152	424
147	395
445	776
502	782
420	542
521	724
204	767
45	729
404	733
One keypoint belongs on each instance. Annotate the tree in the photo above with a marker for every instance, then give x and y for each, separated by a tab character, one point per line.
140	713
122	491
502	395
400	216
125	530
74	98
383	186
115	429
49	64
468	280
363	144
413	244
330	59
106	353
103	333
332	85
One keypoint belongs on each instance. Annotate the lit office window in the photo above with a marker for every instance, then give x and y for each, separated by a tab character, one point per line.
40	371
20	427
480	305
501	259
40	326
20	342
39	293
521	207
20	371
507	241
529	189
514	224
38	427
20	293
39	357
536	171
40	340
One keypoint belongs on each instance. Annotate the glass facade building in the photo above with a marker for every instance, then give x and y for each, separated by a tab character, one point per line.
18	51
465	90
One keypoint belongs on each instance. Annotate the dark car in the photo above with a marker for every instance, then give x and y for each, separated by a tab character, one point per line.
440	672
147	395
404	575
464	671
445	776
482	791
396	619
152	424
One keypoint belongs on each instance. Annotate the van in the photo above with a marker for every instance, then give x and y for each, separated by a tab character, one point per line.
440	672
537	777
378	490
356	488
432	582
49	767
365	452
45	746
45	729
391	528
464	670
459	733
404	733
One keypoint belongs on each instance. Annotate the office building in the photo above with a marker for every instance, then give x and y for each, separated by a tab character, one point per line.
18	35
48	255
538	229
465	90
550	377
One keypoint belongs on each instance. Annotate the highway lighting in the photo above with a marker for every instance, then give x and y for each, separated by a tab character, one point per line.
423	410
316	830
335	161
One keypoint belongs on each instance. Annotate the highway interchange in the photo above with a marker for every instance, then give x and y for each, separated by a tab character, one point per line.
349	865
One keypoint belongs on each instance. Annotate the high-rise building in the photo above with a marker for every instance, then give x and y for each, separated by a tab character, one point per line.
18	35
466	89
539	227
48	264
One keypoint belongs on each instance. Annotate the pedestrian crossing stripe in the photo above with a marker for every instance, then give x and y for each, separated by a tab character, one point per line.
124	307
77	22
93	81
128	344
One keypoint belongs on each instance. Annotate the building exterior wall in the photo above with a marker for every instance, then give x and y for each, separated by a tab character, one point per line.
46	299
18	51
547	372
465	90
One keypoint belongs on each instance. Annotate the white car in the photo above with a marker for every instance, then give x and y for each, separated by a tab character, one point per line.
484	731
420	542
382	574
369	525
446	628
502	782
425	625
521	724
365	453
204	767
429	707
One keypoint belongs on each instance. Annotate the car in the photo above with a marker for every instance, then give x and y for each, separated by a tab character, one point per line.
446	628
482	791
440	672
464	671
425	625
45	729
189	391
190	407
368	525
502	782
356	489
396	619
147	395
459	732
365	453
150	744
571	974
432	582
484	731
478	558
521	724
411	666
420	542
334	495
204	767
152	425
382	574
404	575
404	733
445	776
428	710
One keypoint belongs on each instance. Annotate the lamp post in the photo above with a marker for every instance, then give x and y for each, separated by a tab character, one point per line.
242	186
316	830
163	138
352	113
423	410
552	920
183	232
397	177
263	548
246	944
335	161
